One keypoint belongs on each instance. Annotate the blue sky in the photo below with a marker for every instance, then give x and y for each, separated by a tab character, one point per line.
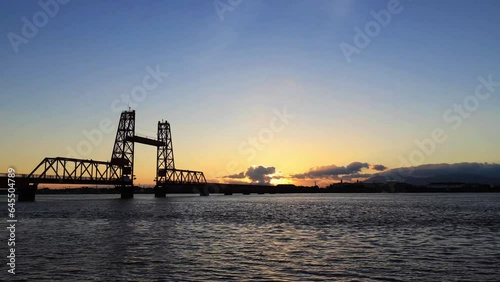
227	77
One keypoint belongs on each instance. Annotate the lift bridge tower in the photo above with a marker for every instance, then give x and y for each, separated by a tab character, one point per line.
119	171
166	173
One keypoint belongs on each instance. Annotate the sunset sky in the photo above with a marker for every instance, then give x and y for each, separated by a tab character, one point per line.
260	83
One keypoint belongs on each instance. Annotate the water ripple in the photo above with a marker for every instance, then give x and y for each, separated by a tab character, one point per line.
390	237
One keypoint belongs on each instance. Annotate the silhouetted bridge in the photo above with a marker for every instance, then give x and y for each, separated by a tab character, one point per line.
119	171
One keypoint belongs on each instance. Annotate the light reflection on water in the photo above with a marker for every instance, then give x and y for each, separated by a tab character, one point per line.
313	237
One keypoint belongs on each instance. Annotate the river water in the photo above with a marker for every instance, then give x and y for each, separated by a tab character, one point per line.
309	237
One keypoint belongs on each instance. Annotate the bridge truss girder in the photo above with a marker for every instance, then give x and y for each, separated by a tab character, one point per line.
76	171
181	176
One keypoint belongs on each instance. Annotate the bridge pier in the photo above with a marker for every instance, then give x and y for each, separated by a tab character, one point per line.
204	190
27	194
160	191
127	192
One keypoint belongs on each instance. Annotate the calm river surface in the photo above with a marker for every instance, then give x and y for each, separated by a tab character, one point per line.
310	237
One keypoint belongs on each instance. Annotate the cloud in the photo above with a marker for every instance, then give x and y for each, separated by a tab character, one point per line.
256	174
458	172
379	167
428	170
332	171
235	176
356	167
260	174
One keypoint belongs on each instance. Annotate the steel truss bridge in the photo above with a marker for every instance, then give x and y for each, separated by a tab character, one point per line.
119	171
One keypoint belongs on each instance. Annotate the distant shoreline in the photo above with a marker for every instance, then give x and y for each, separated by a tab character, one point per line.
229	189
